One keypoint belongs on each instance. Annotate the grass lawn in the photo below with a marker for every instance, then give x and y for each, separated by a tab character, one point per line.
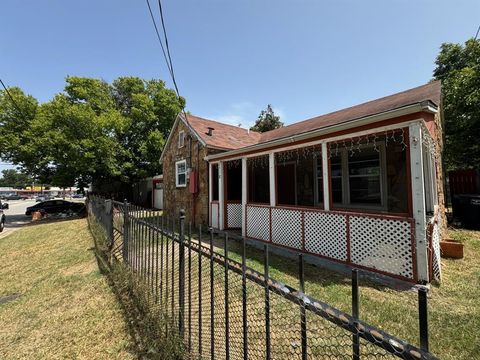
454	306
65	307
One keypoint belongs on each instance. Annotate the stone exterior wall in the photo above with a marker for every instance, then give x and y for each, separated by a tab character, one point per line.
438	138
195	205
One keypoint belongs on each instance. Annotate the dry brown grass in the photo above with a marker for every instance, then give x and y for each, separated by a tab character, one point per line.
66	308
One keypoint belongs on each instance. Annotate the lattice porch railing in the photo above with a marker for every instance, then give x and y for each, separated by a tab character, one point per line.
234	215
380	243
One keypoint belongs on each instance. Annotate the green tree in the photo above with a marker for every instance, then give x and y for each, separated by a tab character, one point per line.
267	120
458	66
16	135
91	132
14	178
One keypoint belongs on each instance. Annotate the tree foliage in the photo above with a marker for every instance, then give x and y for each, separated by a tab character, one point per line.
14	178
91	132
267	120
458	66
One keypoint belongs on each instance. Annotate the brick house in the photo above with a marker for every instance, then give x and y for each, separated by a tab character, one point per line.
361	186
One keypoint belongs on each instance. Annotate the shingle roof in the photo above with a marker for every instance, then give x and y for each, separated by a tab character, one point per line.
231	137
416	95
223	136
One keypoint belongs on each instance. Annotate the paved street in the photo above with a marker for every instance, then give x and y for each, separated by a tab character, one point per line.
15	215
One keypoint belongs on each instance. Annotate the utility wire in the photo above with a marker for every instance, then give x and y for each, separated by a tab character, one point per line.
159	39
168	47
13	100
478	30
166	54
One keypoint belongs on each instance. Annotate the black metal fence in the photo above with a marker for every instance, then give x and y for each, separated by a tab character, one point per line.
224	309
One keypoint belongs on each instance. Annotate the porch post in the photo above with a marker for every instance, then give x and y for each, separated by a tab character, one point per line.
271	172
325	177
210	192
221	196
244	195
418	200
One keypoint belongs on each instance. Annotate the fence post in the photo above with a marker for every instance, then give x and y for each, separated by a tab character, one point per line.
125	232
108	221
303	314
423	317
355	314
181	274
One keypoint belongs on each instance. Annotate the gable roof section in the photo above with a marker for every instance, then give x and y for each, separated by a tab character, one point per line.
224	136
229	137
428	92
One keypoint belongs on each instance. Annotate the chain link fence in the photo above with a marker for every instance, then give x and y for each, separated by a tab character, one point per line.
223	309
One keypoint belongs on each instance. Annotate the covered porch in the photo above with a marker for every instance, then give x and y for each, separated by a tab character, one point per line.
364	198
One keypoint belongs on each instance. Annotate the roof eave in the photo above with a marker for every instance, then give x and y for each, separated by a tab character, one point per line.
427	106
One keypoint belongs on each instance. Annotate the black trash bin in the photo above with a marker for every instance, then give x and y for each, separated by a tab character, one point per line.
466	208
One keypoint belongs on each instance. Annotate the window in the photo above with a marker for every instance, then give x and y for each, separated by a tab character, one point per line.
258	180
181	173
181	139
299	177
358	180
371	179
364	177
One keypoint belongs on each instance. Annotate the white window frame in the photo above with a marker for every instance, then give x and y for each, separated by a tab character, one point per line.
181	139
346	180
184	162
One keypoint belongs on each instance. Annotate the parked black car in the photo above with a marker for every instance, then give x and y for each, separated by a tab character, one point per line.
56	206
3	206
13	197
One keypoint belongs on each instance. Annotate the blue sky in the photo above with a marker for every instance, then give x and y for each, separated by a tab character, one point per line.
232	58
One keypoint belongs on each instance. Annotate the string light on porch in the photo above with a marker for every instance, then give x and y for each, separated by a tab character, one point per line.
354	144
351	145
258	161
297	154
234	163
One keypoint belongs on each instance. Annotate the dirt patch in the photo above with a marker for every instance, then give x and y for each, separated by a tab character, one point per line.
9	298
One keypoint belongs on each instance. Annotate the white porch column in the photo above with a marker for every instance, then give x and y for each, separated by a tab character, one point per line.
325	177
221	196
271	172
210	192
418	200
244	195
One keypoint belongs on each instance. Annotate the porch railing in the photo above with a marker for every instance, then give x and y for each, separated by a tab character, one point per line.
234	214
381	243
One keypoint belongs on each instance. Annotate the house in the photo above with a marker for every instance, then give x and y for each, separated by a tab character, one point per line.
362	186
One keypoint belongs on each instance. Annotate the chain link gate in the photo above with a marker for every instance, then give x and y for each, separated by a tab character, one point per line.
224	309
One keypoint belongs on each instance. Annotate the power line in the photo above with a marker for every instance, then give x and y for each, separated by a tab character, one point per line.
159	39
478	30
167	53
168	47
165	48
13	100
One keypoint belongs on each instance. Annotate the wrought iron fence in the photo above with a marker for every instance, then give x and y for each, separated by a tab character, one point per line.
224	309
